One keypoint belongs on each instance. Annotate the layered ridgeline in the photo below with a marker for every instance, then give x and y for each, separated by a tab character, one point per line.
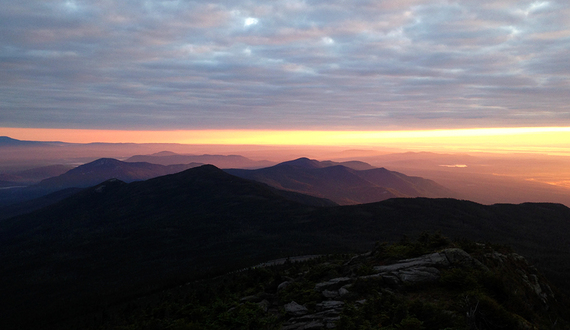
221	161
84	176
344	183
95	172
116	241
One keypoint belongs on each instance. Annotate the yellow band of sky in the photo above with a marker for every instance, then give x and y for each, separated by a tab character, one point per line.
554	140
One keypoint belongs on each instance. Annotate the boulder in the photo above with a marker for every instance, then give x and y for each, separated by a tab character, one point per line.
419	275
283	285
334	283
428	260
424	268
295	309
330	294
458	257
331	304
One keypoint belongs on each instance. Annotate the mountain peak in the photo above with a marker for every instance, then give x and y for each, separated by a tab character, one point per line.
303	162
8	141
104	161
207	168
103	169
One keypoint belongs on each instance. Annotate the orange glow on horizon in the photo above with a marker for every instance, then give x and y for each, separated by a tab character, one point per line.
550	140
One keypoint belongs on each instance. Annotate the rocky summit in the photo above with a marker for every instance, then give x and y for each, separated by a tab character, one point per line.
431	283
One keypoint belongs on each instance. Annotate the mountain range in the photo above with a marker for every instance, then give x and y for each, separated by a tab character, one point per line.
343	182
221	161
83	176
8	141
117	241
347	182
103	169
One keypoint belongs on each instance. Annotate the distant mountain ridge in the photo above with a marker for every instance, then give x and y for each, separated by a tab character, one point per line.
82	176
103	169
345	182
220	161
8	141
313	163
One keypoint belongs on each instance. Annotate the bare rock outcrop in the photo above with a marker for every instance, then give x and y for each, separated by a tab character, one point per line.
331	294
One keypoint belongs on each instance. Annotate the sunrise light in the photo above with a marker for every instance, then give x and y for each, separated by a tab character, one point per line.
547	140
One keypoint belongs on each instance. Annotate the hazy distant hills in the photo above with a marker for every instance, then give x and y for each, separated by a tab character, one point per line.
103	169
349	182
83	176
221	161
8	141
345	183
18	155
118	240
34	175
482	177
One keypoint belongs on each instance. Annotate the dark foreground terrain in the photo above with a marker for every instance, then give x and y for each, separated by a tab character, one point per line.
439	285
117	241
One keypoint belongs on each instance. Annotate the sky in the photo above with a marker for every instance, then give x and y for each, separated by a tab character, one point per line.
291	65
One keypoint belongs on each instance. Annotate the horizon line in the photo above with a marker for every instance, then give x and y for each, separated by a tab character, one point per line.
74	135
549	140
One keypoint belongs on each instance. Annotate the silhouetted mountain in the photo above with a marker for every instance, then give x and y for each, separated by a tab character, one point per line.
87	175
342	184
106	168
302	162
221	161
8	141
118	240
305	162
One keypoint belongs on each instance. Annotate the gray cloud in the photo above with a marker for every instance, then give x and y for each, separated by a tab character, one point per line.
289	64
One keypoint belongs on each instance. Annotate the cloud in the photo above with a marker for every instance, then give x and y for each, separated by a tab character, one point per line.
284	64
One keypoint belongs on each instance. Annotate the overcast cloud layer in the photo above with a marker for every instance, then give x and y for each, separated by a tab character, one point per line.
285	64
